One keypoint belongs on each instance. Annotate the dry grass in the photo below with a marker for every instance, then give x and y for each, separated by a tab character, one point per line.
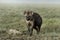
11	17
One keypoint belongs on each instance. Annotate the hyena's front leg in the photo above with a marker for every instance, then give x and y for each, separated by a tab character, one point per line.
30	29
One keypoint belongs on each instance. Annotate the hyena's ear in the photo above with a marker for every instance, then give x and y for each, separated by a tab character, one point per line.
31	12
24	12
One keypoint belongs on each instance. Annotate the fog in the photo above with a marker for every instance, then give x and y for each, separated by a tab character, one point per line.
30	1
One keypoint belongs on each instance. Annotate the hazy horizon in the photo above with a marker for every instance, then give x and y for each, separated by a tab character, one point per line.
29	1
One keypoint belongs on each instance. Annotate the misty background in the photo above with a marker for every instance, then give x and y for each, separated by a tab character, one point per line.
39	3
29	1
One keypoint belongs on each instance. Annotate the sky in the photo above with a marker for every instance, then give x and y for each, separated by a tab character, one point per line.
30	1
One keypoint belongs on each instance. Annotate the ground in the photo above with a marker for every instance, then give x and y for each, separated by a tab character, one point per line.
11	17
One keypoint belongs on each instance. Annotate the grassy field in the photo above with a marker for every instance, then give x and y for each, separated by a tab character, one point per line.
11	17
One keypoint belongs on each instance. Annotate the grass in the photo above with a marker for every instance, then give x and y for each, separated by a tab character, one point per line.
11	17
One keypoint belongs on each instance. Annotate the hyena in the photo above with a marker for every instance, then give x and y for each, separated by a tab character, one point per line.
33	20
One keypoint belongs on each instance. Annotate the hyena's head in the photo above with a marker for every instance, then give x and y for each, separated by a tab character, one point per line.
28	14
29	17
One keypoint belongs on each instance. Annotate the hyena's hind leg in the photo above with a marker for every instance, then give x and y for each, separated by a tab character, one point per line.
38	27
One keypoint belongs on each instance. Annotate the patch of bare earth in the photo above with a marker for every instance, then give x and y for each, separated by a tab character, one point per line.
13	34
